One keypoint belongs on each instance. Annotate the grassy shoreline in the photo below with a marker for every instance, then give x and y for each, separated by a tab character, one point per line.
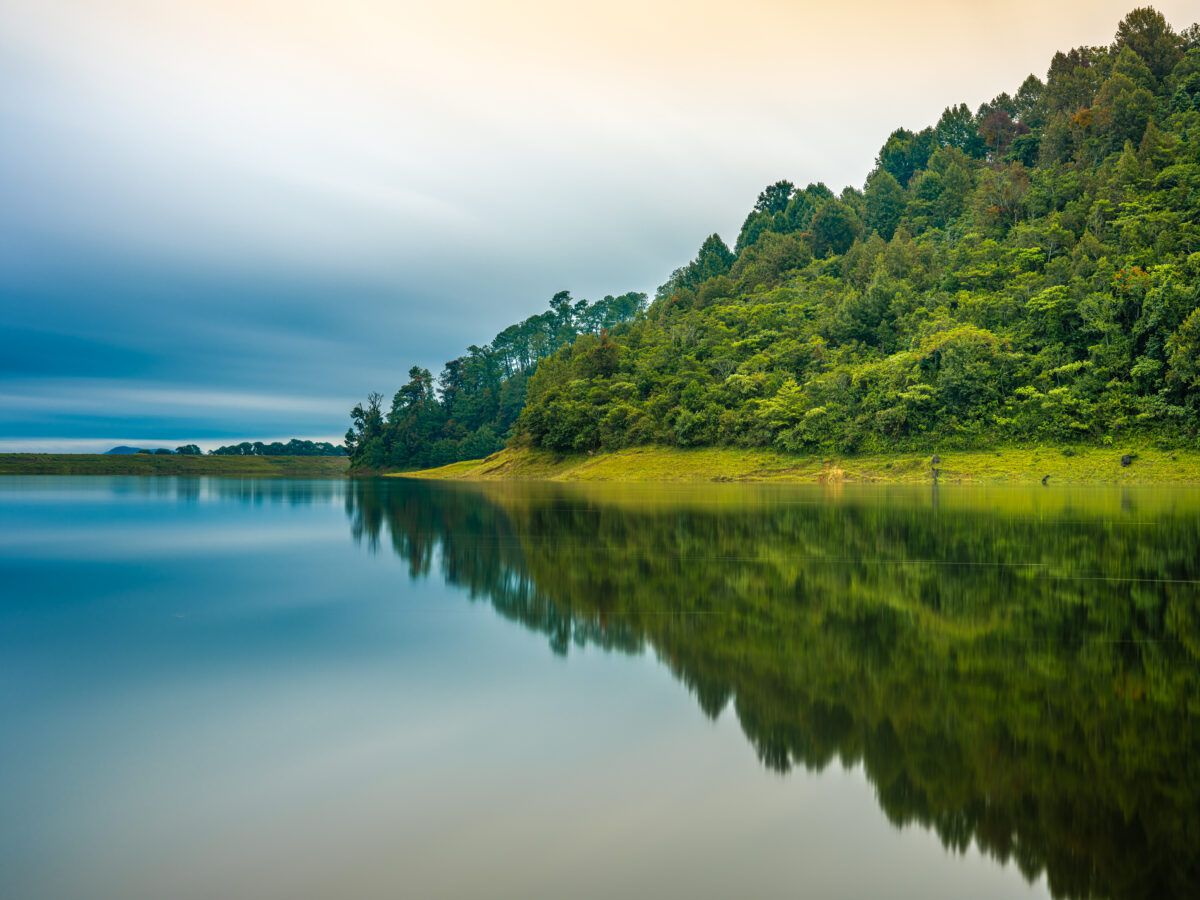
1023	465
150	464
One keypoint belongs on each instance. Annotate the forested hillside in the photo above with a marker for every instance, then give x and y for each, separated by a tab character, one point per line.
471	409
1029	272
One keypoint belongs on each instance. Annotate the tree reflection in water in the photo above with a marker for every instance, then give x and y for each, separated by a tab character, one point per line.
1015	668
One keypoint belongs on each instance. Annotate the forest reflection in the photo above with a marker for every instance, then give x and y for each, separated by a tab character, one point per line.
1015	668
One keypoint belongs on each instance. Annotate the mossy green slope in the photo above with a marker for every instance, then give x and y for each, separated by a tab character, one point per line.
669	464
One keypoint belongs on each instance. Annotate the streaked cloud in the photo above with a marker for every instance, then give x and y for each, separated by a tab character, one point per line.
300	198
40	413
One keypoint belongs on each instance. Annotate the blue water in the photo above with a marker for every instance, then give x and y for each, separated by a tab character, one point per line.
240	688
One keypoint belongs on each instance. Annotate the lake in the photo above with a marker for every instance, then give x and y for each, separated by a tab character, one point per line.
273	688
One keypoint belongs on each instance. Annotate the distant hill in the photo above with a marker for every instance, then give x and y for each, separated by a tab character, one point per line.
122	450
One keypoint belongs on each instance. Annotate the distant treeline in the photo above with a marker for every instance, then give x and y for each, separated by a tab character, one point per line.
293	447
470	410
1028	272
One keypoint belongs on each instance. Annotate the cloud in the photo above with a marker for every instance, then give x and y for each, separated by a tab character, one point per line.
303	198
54	410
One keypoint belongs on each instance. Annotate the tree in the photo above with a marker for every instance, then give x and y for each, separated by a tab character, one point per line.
1189	38
1073	79
366	426
905	153
600	360
800	209
774	198
1183	350
1121	112
188	450
1146	33
998	131
757	223
956	128
834	228
1000	196
1184	83
715	258
770	258
418	390
1028	103
885	203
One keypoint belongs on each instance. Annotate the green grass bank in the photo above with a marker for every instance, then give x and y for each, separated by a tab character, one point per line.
658	464
148	464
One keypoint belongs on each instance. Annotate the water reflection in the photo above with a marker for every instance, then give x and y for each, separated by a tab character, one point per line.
1018	669
292	492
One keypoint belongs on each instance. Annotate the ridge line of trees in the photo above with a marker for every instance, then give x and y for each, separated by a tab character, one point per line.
468	411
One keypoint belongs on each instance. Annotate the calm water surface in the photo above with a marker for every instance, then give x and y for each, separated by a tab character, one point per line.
239	688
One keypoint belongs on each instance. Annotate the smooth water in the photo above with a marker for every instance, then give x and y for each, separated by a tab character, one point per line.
237	688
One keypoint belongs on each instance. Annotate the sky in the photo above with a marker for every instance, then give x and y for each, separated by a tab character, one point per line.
232	219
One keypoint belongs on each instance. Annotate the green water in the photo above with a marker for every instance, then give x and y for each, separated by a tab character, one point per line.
241	688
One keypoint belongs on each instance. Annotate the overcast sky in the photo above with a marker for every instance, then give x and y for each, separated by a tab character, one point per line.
232	219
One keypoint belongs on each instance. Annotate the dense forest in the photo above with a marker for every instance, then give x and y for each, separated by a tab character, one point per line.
1044	706
470	410
1028	272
